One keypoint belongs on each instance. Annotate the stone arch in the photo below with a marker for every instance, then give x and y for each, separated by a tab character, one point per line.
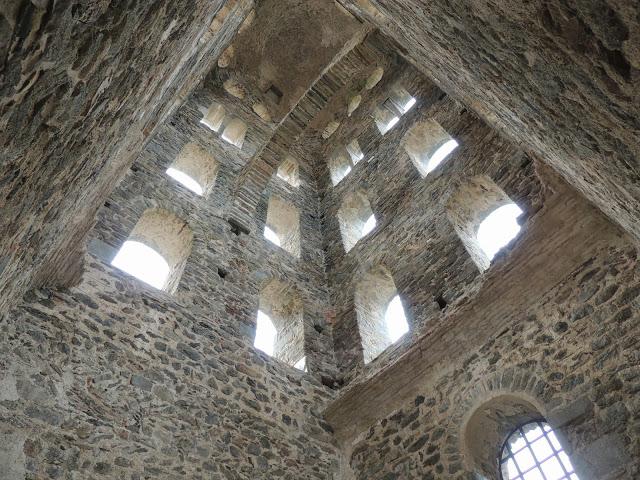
168	235
470	203
353	215
373	293
422	142
283	303
198	164
487	412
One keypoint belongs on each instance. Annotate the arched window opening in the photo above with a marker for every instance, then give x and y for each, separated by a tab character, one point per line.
380	315
354	103
392	109
428	145
142	262
498	229
266	334
374	78
395	319
355	218
283	225
156	250
271	236
279	323
235	132
402	100
355	152
214	117
385	119
532	451
484	217
185	180
330	129
339	166
288	171
194	168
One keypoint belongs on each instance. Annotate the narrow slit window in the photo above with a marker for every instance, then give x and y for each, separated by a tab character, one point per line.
385	119
369	225
339	166
288	171
301	364
185	180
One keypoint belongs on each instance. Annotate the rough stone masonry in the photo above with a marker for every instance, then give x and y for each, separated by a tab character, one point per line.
309	118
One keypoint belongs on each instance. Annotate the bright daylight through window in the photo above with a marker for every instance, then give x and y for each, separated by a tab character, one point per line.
271	236
498	229
369	225
142	262
533	452
185	180
440	154
265	334
395	319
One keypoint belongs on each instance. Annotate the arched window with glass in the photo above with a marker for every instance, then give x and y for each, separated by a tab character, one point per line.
532	452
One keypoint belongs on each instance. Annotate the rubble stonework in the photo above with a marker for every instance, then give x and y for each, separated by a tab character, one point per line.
284	111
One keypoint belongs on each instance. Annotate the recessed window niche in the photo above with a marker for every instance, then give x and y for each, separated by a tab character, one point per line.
330	129
288	171
380	313
195	168
388	114
356	218
484	217
214	117
354	103
235	132
279	323
428	144
283	225
355	152
374	78
339	165
156	250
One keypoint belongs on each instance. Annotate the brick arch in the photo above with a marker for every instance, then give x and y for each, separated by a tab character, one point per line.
486	412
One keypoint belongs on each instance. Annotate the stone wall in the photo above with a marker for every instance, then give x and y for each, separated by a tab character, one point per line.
227	269
415	237
84	85
112	379
559	77
575	356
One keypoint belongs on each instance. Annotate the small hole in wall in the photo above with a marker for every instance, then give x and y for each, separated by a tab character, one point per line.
274	94
107	204
442	303
222	273
237	228
134	168
318	328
